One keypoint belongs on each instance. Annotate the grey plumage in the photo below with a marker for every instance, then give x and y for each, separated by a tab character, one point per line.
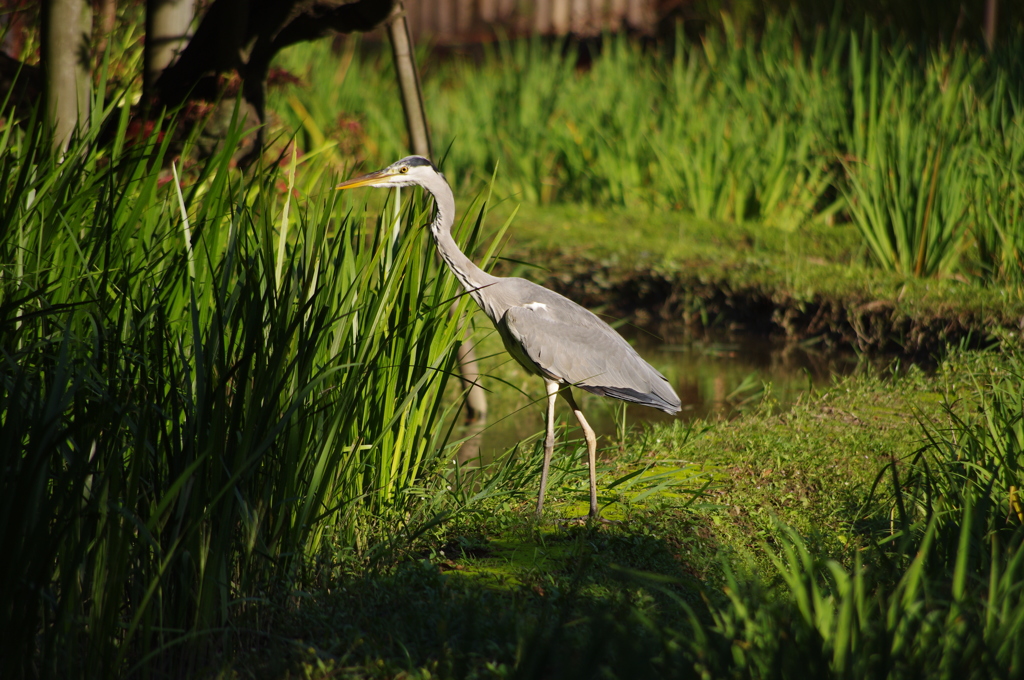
568	343
550	335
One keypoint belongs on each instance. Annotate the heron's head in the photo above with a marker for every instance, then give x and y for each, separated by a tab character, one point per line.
410	171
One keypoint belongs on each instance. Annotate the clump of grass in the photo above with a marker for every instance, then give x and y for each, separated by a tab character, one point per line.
203	387
911	140
637	126
941	594
997	197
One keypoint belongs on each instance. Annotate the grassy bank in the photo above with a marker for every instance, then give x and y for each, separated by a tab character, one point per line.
873	530
654	267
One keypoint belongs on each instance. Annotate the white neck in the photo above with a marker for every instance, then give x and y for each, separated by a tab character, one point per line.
472	278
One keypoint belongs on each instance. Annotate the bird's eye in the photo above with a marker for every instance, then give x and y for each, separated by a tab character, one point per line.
405	169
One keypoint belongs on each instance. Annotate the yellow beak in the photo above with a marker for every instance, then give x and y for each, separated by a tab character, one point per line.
364	180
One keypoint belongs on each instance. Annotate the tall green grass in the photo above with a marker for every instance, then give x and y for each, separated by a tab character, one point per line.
200	393
636	126
913	138
939	593
916	146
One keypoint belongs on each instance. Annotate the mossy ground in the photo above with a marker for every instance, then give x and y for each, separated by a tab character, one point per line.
469	596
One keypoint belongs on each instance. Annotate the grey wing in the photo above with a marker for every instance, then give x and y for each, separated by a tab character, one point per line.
572	345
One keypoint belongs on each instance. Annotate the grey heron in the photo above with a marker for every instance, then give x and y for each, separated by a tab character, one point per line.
550	335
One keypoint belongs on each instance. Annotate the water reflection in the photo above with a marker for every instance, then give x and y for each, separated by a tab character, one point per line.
715	375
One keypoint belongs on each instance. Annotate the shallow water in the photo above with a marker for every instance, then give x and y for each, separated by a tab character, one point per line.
714	375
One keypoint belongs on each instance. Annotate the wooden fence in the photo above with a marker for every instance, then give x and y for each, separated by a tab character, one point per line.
466	21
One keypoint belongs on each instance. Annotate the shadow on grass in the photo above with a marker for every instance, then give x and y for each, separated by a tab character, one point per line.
560	602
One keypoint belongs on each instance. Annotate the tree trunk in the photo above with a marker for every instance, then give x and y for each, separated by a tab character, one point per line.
67	91
167	34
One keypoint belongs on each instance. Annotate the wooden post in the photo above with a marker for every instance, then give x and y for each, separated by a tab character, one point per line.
991	22
107	16
419	140
476	398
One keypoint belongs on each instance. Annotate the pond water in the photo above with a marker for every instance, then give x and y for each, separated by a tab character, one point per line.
715	375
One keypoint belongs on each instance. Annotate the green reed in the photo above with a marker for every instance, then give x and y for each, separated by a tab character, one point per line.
669	127
195	403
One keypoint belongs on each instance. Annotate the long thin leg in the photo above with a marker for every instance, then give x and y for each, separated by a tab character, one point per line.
588	434
549	442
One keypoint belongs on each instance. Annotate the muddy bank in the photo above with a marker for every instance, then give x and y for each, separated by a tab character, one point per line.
918	319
